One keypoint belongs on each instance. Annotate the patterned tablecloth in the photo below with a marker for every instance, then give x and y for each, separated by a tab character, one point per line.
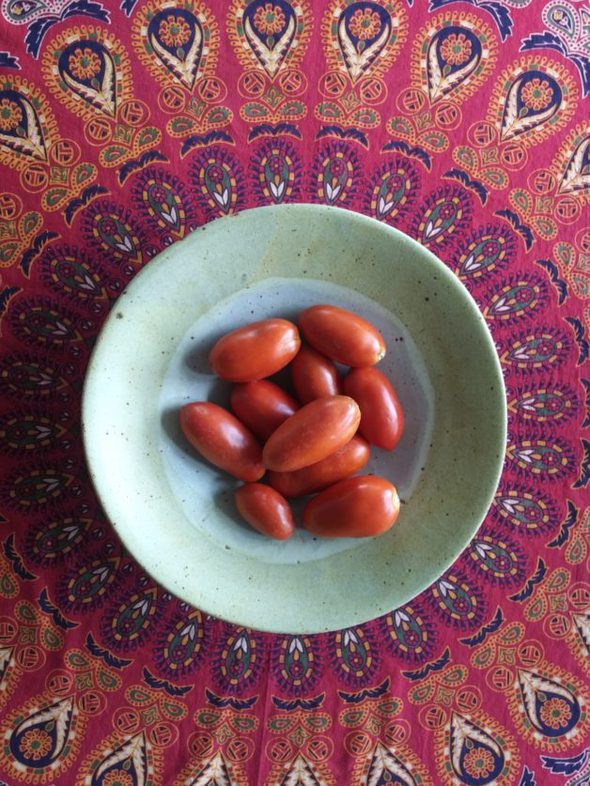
122	128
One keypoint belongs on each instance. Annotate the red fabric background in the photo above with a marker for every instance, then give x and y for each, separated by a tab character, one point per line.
465	124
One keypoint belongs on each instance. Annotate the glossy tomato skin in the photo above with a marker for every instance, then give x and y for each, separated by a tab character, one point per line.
358	507
314	375
220	438
341	335
349	459
262	406
382	417
314	432
255	351
265	510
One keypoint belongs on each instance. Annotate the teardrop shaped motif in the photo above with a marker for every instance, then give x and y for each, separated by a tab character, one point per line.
26	377
20	128
499	560
543	404
89	70
387	768
87	586
363	32
517	299
125	764
39	740
457	601
296	668
68	273
409	633
180	651
531	100
176	38
540	350
553	459
237	664
453	55
51	542
22	433
550	706
526	511
476	757
488	250
270	30
130	623
353	655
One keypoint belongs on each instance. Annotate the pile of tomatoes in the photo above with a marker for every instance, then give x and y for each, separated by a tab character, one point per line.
310	445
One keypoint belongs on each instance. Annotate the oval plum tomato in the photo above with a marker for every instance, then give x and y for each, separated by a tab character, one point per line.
312	433
314	375
262	406
255	351
382	418
344	462
358	507
220	437
265	510
342	336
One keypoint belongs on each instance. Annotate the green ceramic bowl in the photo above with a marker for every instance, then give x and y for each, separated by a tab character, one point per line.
175	513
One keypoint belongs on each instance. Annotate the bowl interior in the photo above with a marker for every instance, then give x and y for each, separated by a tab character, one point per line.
175	513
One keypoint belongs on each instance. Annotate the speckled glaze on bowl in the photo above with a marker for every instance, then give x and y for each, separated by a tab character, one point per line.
175	513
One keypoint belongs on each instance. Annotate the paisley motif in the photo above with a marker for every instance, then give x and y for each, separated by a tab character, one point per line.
489	249
362	38
25	377
20	126
31	488
545	405
270	30
517	299
335	174
457	603
70	273
127	763
89	70
21	12
215	771
297	664
561	16
52	542
576	174
551	459
115	232
237	663
165	203
40	739
529	512
24	432
85	587
453	55
410	633
386	767
393	189
446	211
180	647
502	562
532	99
177	38
547	348
475	756
353	655
129	622
276	172
44	322
550	706
364	28
216	175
